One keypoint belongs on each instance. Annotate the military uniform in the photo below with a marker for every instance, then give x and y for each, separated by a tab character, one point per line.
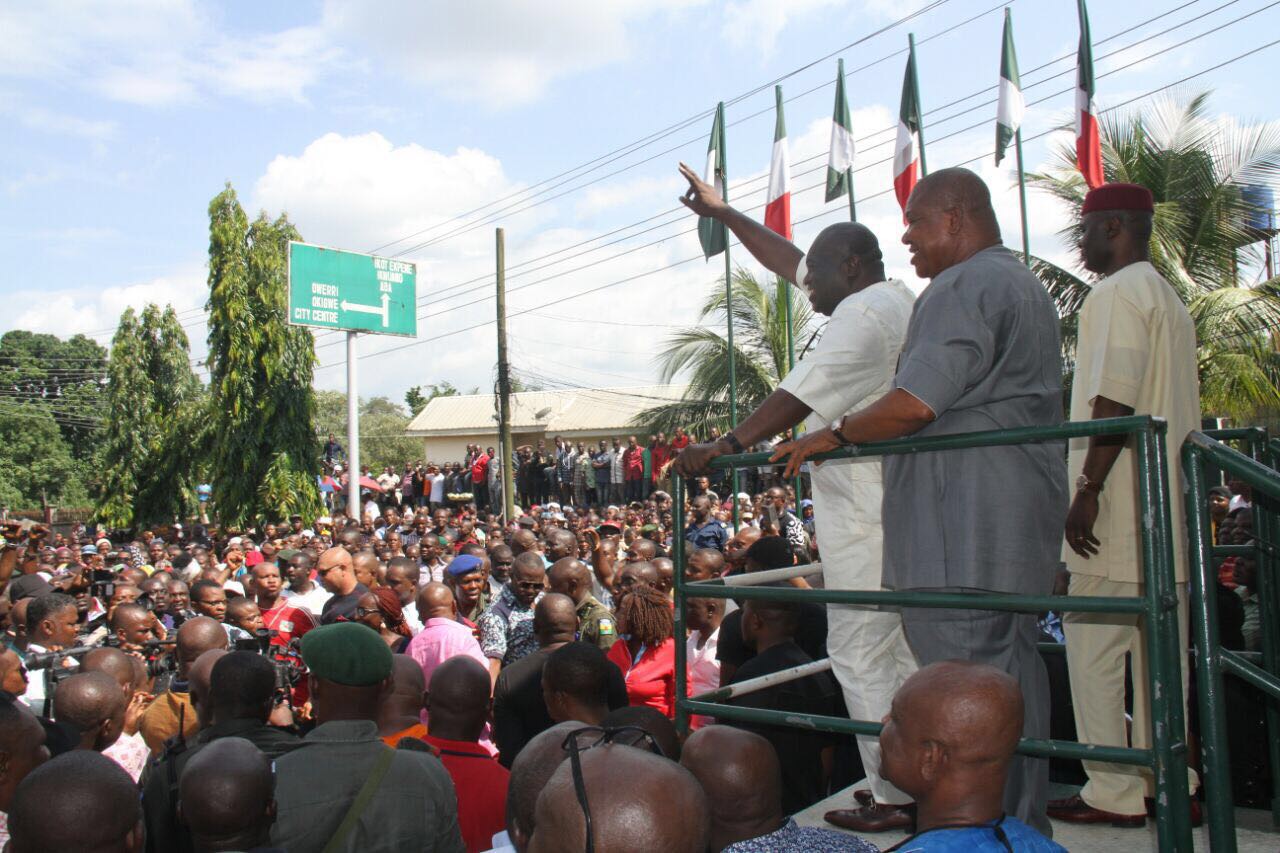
595	624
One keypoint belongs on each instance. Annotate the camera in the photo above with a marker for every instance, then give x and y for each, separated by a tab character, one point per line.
102	584
285	660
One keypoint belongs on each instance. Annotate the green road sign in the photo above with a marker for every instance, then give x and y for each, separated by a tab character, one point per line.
333	289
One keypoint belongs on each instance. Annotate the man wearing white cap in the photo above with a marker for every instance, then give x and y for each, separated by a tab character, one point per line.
852	364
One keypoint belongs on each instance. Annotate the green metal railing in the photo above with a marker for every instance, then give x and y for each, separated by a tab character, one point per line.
1167	758
1258	470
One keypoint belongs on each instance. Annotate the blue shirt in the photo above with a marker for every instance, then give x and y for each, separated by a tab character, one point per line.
1006	835
710	535
806	839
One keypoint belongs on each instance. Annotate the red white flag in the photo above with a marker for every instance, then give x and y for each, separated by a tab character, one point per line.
1088	141
906	157
777	210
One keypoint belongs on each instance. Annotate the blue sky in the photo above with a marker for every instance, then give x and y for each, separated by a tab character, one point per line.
370	121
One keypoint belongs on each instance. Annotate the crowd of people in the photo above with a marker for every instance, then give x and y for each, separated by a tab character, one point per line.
423	673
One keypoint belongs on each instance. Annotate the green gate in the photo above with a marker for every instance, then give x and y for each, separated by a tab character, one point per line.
1168	756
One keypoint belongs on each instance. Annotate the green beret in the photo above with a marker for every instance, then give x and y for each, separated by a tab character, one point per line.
347	653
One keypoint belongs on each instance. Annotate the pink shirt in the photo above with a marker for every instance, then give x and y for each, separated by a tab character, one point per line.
130	752
704	670
439	640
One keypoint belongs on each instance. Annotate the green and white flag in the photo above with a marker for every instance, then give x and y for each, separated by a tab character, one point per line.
840	161
711	232
1012	105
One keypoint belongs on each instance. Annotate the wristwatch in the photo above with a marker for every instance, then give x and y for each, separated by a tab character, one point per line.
837	428
733	442
1084	484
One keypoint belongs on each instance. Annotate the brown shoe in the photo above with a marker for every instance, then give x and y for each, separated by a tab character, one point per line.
876	817
863	797
1197	813
1076	810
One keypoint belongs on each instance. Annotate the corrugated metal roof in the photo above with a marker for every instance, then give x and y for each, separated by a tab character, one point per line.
570	410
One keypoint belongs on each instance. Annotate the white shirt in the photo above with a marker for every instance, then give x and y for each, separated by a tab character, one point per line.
312	601
1137	347
34	697
704	669
437	489
851	367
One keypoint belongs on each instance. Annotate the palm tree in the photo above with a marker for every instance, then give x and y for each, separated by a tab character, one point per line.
760	352
1198	169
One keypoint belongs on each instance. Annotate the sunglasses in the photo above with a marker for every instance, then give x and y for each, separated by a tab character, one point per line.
362	612
592	736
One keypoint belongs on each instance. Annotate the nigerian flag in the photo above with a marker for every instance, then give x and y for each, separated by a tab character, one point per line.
840	160
1012	105
711	232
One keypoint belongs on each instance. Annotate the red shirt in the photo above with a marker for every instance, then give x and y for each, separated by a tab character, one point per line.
678	443
480	469
659	454
481	783
651	680
633	463
290	623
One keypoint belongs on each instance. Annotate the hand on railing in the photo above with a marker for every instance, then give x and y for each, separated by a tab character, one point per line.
796	452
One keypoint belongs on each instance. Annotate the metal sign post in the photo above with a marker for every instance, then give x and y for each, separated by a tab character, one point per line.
336	289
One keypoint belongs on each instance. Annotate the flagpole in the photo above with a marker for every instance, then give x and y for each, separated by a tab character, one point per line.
1022	197
728	304
915	84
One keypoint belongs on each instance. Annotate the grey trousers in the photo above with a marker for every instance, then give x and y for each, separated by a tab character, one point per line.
1006	641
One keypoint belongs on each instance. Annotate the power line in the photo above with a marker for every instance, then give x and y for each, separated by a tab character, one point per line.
885	192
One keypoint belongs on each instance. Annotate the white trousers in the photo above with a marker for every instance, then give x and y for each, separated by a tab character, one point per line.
869	654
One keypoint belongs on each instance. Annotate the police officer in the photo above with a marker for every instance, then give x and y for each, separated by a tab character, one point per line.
571	577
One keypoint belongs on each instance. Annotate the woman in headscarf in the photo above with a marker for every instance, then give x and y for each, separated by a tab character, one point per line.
380	609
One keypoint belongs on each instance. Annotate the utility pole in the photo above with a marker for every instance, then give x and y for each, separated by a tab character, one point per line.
504	385
354	509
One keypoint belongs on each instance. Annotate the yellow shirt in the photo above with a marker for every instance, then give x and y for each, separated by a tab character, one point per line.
1137	346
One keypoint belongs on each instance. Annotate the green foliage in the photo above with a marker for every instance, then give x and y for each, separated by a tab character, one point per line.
36	461
760	352
382	425
149	471
264	455
416	399
65	377
1196	167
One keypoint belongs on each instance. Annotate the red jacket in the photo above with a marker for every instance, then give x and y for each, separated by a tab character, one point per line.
633	463
651	680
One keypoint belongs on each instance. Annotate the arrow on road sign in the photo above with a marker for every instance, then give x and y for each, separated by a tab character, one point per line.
370	309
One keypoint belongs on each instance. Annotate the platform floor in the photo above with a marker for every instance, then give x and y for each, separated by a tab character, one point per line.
1254	832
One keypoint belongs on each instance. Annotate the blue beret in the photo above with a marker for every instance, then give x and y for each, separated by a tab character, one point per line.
465	564
347	653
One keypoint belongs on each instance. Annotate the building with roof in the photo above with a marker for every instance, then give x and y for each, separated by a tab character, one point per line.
447	425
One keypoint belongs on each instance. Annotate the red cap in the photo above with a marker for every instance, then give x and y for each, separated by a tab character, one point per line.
252	559
1119	197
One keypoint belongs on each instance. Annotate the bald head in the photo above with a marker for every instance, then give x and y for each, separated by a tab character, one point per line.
639	802
79	802
844	259
436	601
529	774
335	570
570	576
523	541
740	773
560	544
408	689
94	703
197	636
555	619
458	699
226	795
112	662
949	219
950	734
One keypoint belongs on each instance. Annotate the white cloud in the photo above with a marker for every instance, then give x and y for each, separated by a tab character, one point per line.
497	52
758	23
156	52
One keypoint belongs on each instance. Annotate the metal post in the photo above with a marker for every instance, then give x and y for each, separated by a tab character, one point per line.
728	305
1166	631
1268	592
1022	195
915	84
504	383
1216	763
678	557
853	207
354	510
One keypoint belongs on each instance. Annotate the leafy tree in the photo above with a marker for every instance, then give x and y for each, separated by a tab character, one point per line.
155	398
416	399
382	425
66	377
760	348
264	456
1198	169
36	461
